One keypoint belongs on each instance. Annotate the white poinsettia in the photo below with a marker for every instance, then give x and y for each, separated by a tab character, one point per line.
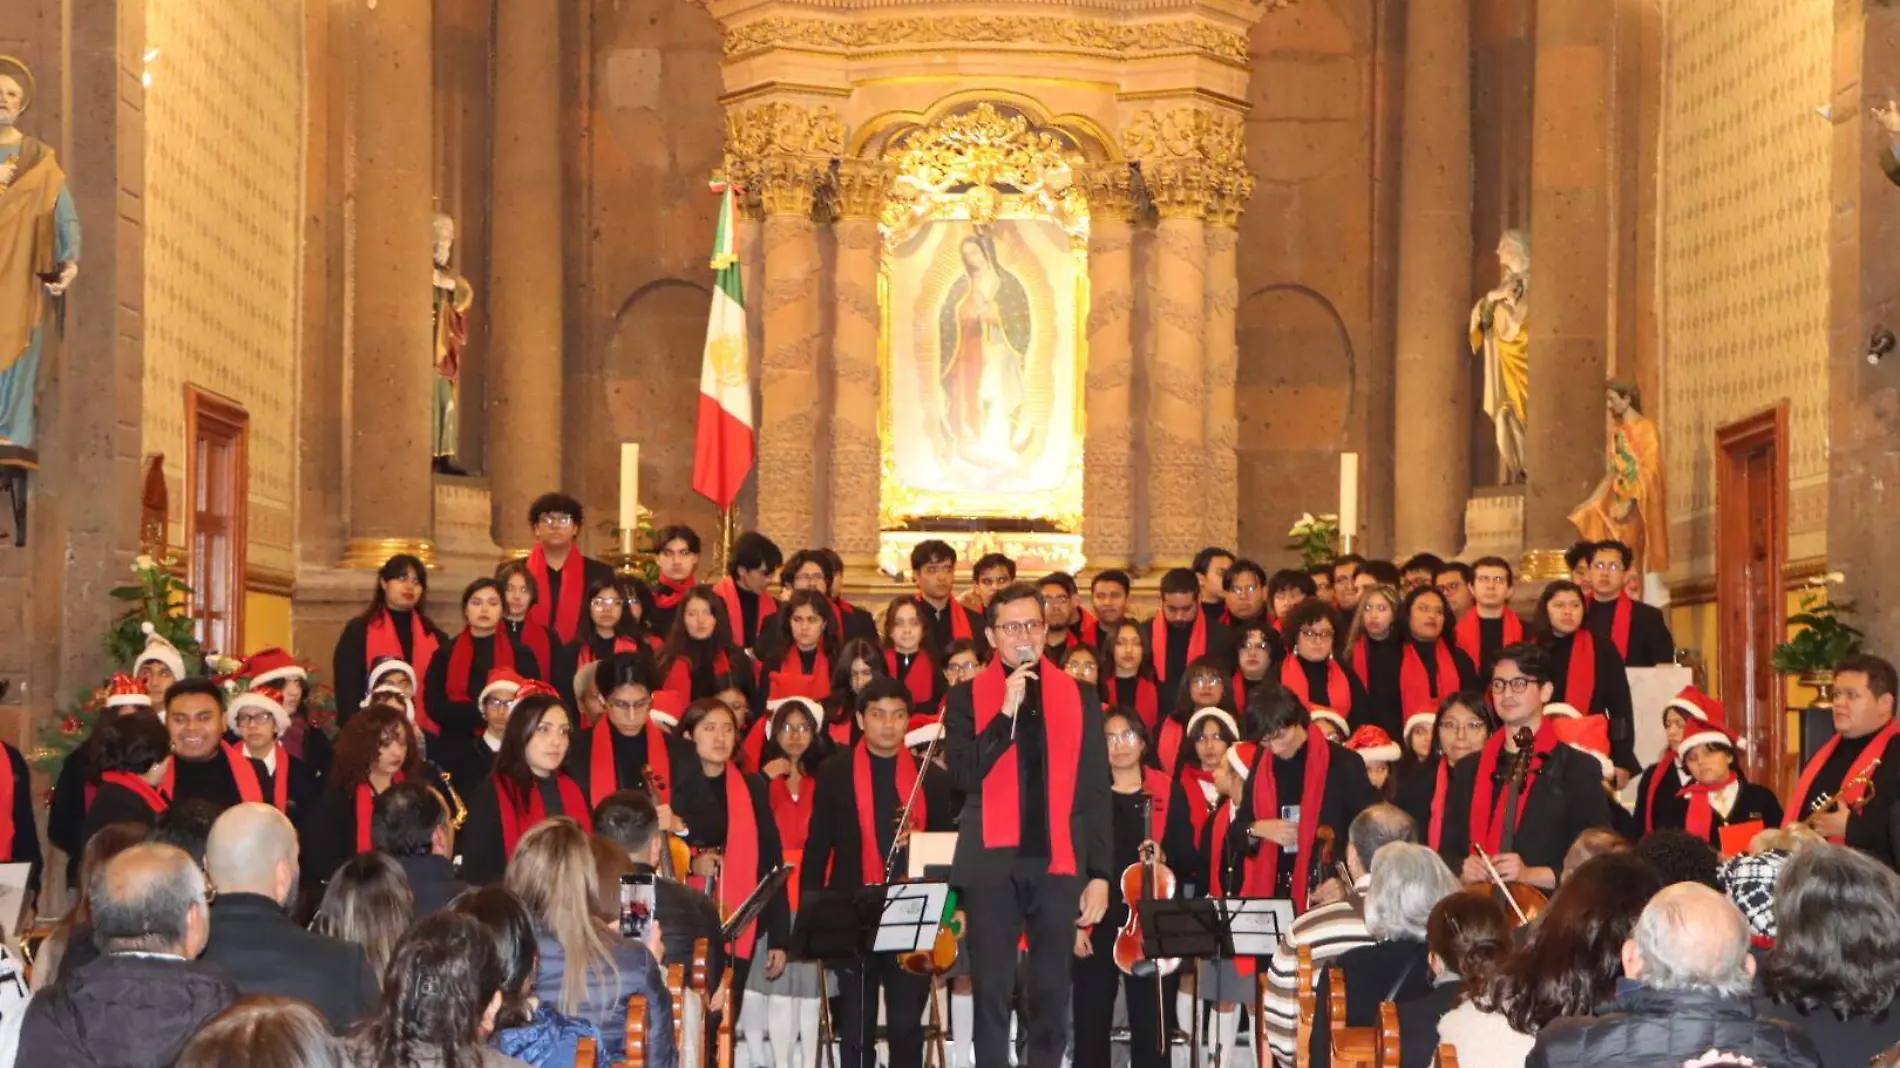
142	564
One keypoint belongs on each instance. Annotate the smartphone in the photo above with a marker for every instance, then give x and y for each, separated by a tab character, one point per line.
636	905
1290	813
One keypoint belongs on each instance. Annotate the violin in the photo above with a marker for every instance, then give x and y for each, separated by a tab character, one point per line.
942	954
1147	879
674	856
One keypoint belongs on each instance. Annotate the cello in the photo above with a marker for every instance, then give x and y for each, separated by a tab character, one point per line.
1523	901
1147	879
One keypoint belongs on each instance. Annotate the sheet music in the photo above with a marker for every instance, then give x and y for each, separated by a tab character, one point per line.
912	913
12	896
1258	924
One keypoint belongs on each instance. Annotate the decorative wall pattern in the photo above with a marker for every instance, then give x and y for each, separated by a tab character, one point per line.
223	165
1746	168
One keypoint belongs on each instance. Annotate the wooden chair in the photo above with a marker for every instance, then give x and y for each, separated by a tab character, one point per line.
636	1033
676	989
1447	1056
1353	1047
587	1054
1388	1035
1309	1009
1263	1056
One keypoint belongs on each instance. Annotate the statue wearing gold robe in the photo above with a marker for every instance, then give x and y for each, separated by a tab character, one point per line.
1628	505
1500	332
39	255
452	298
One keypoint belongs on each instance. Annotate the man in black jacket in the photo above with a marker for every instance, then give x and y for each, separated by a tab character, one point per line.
252	859
410	822
628	819
147	995
1690	954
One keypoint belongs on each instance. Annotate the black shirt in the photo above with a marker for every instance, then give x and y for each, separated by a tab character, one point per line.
1032	777
1384	706
884	798
1490	640
1179	635
1130	830
210	779
1289	781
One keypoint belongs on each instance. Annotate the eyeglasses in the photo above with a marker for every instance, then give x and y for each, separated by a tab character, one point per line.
1317	634
1204	682
555	520
608	602
1082	670
1608	565
1515	684
1055	598
641	705
1121	737
964	670
246	719
797	730
1258	644
496	704
1021	629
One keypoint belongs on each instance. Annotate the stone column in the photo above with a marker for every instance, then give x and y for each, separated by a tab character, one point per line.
1570	269
1108	471
1177	420
855	390
392	375
1432	454
525	368
788	388
1223	358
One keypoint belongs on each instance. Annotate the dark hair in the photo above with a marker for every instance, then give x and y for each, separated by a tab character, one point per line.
1081	648
1308	612
187	825
626	625
681	645
1422	562
1837	941
627	818
1061	579
1353	560
1112	632
1611	545
1015	591
1288	579
1178	581
703	709
959	646
796	563
1115	576
514	569
263	1029
1382	571
627	669
436	990
132	742
992	561
469	591
405	817
559	503
1510	573
677	532
507	921
1184	708
1404	622
363	738
1135	724
1272	709
931	551
1474	700
1206	557
511	760
1880	673
1530	659
1462	570
837	561
855	650
1574	955
368	902
1243	566
1579	554
1470	934
401	565
106	842
818	601
1680	857
1320	571
1540	619
754	552
882	688
814	754
197	685
925	649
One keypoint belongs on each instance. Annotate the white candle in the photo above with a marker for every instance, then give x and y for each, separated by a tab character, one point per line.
1348	498
629	488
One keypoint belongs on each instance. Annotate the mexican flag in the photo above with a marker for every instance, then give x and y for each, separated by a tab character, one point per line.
722	454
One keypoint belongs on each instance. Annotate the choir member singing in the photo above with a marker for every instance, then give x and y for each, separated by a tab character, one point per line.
393	627
290	785
561	573
1312	671
1850	790
1131	683
205	765
1460	727
1285	590
699	659
1183	632
303	740
1432	668
527	787
455	678
1244	589
747	587
1202	686
1490	625
627	749
374	751
1718	795
1375	650
1060	608
910	652
1108	596
519	594
676	548
1589	673
933	566
859	661
1637	630
1256	659
798	663
814	569
1345	589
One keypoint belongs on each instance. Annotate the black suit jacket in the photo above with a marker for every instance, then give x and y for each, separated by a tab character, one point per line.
1566	800
432	882
1650	641
971	755
1347	793
1418	1024
835	844
265	953
686	916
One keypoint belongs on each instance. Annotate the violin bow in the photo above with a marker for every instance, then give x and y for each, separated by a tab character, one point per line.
1491	870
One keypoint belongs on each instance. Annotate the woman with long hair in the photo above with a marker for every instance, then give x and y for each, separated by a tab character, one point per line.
519	594
528	786
378	748
1468	936
859	661
786	1008
587	969
455	679
1194	797
440	994
394	626
526	1028
908	656
1131	678
1835	968
368	902
1375	651
699	658
610	628
1463	723
261	1029
1204	684
1312	671
1431	666
1586	674
805	646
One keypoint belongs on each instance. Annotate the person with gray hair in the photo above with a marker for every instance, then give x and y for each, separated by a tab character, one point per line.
1689	956
147	993
1334	926
251	855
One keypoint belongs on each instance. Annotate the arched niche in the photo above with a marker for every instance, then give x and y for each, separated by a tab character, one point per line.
1296	395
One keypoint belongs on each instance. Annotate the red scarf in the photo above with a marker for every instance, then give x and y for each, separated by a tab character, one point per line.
7	787
603	771
1160	790
793	816
535	637
380	642
1440	784
622	644
1088	627
792	680
1487	816
1620	628
249	789
1146	702
462	657
1848	798
728	591
1580	679
1338	690
517	814
921	679
871	864
739	870
1661	771
564	619
1062	727
1194	789
366	813
679	677
1168	746
959	619
1701	818
668	594
1417	692
1158	641
1263	871
157	801
1471	640
280	780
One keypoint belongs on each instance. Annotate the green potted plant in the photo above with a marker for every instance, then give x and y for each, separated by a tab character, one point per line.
1315	538
1823	641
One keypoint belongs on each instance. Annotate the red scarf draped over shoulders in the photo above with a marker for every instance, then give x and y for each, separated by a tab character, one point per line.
519	813
1701	817
463	689
1338	690
1580	677
380	642
249	788
1158	642
565	618
870	861
158	802
603	768
1418	690
1470	634
1263	869
728	591
1487	802
1002	802
790	679
366	812
739	866
920	679
1850	793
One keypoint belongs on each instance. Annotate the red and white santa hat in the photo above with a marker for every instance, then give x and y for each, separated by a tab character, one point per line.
1327	715
668	707
1560	710
124	691
1587	734
1373	745
924	729
815	713
1219	715
157	648
1694	704
1708	725
272	665
1424	717
388	666
503	682
268	698
1240	757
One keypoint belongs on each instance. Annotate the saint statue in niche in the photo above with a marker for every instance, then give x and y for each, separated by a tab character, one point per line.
985	329
453	295
1628	504
39	254
1500	332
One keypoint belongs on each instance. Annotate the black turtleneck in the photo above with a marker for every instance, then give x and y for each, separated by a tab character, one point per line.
1318	680
1179	635
1384	659
209	779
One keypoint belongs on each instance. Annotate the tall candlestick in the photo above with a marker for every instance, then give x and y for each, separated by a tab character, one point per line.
1348	498
629	494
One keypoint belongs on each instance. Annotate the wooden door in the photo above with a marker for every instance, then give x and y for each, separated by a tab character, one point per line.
1751	550
217	489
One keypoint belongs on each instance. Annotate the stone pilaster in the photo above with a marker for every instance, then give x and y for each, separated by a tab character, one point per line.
392	375
859	193
1223	358
788	383
526	372
1177	423
1108	452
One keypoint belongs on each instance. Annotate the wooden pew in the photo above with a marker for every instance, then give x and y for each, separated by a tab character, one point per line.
587	1054
1309	1009
1388	1035
1447	1056
1353	1047
636	1033
676	989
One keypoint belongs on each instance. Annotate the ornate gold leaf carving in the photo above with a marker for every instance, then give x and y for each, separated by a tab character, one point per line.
1094	35
1194	162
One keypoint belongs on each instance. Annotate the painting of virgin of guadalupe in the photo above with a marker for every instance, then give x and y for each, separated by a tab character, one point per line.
984	330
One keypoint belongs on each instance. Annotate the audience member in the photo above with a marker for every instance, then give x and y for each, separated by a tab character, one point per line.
526	1028
629	820
251	857
440	995
410	822
1467	935
1691	972
147	994
134	752
259	1030
187	825
1749	880
1681	857
368	902
1835	967
70	945
1591	844
587	969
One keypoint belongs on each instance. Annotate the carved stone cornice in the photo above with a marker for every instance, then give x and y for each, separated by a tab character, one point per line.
860	188
779	152
788	184
1193	162
1232	188
1106	35
1111	190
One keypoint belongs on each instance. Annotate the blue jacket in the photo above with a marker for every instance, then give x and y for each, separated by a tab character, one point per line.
605	1007
549	1040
